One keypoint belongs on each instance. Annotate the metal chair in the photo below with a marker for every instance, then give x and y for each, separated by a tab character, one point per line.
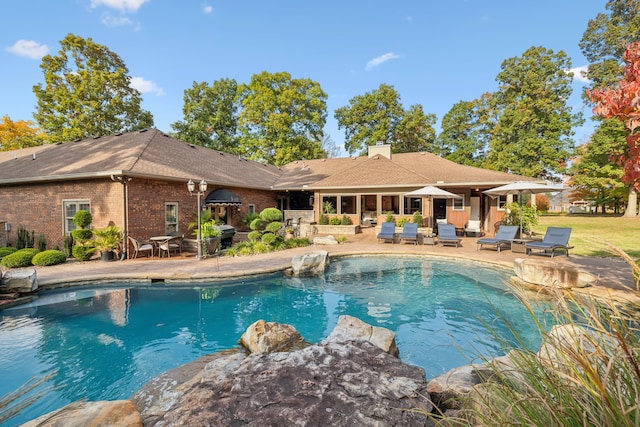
140	246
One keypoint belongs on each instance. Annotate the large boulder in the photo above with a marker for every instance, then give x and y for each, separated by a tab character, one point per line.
268	337
339	384
121	413
351	328
310	264
23	280
551	274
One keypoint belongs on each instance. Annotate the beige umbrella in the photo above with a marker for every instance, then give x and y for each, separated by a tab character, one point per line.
432	193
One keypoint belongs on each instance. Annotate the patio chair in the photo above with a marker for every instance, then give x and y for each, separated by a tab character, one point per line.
387	232
447	235
172	244
409	233
473	228
140	246
555	238
504	236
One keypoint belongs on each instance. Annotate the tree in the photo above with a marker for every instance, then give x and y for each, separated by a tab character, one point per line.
210	116
466	132
594	176
415	131
86	93
20	134
282	118
533	132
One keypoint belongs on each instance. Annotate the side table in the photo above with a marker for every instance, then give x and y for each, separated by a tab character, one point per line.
519	246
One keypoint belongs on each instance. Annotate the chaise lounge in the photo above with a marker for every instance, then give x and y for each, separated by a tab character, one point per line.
556	238
504	236
387	232
409	233
447	235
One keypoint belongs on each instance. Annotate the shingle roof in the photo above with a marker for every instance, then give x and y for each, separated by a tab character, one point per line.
148	153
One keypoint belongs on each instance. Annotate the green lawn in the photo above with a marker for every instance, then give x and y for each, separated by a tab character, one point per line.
590	231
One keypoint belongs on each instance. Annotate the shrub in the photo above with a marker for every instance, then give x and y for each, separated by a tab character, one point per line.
346	220
247	220
341	239
390	217
334	220
82	235
20	258
41	243
274	227
50	257
323	220
417	219
254	235
402	221
83	253
6	251
262	247
82	218
24	238
68	245
297	242
257	224
271	214
268	238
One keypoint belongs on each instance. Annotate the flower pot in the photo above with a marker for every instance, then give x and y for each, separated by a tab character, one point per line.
107	255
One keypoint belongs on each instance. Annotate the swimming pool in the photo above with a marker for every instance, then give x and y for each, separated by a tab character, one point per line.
106	342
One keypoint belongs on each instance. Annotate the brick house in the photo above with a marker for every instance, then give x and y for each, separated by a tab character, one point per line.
138	179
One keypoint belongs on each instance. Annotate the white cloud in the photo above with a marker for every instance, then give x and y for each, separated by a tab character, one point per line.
116	21
146	86
126	6
207	9
577	73
29	48
381	60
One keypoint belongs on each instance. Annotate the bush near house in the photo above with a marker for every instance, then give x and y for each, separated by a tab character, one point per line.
6	251
49	257
20	258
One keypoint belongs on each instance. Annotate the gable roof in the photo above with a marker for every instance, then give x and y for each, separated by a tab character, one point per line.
402	170
147	153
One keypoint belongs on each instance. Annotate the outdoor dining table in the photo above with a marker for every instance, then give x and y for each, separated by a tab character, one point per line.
156	241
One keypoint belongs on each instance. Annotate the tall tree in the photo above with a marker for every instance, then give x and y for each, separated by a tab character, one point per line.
603	44
415	131
210	116
594	177
87	92
282	118
466	132
19	134
533	133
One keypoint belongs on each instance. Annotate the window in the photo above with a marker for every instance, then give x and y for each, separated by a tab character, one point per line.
458	204
329	204
412	205
391	204
70	207
348	204
252	209
171	217
502	202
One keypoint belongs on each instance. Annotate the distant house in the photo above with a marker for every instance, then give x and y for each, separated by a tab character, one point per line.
138	179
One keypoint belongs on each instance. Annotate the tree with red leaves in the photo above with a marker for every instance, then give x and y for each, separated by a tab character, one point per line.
623	103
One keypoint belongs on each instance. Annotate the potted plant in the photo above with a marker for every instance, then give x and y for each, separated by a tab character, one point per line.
210	237
107	241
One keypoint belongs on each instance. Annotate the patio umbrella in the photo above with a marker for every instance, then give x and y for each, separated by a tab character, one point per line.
520	188
432	193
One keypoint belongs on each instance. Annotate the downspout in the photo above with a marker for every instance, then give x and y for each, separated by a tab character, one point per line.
125	208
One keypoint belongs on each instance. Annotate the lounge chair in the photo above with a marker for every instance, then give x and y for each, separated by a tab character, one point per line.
140	246
473	228
387	232
556	238
409	233
447	235
504	236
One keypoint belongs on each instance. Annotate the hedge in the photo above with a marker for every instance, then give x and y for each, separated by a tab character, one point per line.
50	257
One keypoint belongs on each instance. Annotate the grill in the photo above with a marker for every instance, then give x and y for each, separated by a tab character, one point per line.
226	238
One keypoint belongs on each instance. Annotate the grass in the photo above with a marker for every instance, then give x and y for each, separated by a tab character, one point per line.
591	233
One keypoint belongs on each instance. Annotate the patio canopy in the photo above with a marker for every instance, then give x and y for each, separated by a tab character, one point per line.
222	197
432	193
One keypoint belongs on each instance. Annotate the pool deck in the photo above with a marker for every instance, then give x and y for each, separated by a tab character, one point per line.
614	275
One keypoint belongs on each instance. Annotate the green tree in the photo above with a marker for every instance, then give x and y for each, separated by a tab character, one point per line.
370	118
466	132
594	176
282	118
87	92
533	132
19	134
210	116
415	131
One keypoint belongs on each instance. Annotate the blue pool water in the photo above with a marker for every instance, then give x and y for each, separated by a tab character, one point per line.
107	342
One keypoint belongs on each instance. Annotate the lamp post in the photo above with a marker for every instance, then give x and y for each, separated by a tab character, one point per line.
202	188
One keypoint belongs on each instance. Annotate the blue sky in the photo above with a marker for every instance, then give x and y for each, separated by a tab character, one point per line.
435	53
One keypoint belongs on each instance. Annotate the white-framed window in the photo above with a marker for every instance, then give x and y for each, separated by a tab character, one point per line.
502	202
69	209
458	204
171	217
252	209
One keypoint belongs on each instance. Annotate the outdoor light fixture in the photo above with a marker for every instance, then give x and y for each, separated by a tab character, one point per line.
202	188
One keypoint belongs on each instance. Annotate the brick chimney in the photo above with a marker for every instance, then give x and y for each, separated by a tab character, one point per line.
380	148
